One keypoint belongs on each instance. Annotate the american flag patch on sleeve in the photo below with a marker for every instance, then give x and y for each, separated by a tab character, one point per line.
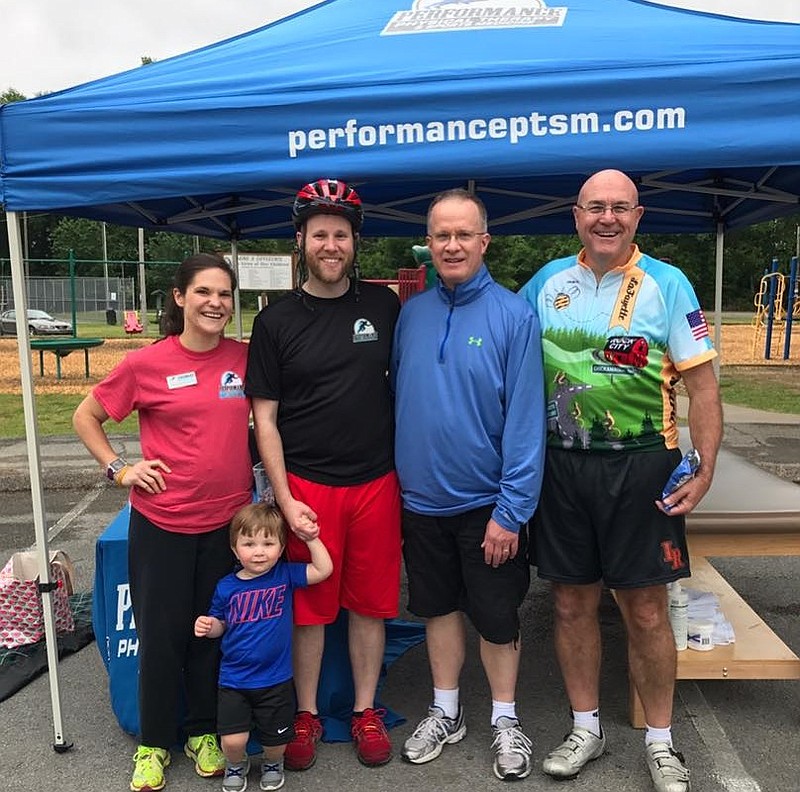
697	324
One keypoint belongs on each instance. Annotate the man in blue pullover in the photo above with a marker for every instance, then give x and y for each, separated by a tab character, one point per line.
469	446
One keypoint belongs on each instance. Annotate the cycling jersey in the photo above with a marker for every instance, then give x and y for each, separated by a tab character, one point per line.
614	349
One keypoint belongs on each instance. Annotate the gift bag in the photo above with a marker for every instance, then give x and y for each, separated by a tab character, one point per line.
21	618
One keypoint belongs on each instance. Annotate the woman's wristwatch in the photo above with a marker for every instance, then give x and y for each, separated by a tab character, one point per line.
114	467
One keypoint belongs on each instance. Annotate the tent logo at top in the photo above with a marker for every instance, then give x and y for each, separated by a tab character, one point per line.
438	16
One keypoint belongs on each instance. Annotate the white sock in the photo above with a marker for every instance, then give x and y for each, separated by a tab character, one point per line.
503	709
658	735
446	701
589	720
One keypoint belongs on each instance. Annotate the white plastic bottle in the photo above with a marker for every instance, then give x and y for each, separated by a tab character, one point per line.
679	614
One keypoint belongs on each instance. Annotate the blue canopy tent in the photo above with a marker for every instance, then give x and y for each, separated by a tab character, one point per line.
517	100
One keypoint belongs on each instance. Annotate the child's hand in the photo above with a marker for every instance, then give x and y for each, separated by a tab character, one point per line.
308	529
202	626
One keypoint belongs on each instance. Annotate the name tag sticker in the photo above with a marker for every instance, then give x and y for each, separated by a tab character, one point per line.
182	380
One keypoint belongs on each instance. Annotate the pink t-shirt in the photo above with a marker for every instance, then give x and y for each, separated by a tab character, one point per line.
193	415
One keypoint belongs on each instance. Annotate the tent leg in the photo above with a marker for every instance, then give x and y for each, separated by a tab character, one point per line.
237	299
718	297
60	744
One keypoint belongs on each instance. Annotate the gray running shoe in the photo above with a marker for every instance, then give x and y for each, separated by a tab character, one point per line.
432	734
579	748
512	750
271	775
235	777
667	768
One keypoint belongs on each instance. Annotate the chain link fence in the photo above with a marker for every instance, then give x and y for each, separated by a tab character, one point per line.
95	297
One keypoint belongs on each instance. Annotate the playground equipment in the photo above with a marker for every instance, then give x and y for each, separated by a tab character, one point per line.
132	324
409	281
774	317
793	310
422	256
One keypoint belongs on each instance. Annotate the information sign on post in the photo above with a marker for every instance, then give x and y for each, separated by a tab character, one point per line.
264	273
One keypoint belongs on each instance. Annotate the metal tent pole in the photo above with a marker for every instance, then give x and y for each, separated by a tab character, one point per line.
142	285
237	303
718	297
60	744
104	238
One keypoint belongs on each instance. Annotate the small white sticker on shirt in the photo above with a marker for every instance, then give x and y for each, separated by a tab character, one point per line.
182	380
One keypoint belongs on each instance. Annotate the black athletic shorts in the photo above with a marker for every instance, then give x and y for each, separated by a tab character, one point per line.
597	520
446	572
269	711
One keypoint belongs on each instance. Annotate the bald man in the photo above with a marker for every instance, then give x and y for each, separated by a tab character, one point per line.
620	329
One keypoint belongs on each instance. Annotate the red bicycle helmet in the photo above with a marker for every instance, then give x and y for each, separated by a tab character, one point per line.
328	196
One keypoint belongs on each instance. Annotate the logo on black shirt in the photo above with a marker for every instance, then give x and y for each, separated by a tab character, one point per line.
364	330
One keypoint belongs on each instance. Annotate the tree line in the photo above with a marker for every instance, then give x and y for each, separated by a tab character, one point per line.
511	259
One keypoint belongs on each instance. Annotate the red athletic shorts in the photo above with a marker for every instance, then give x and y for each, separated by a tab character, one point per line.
360	527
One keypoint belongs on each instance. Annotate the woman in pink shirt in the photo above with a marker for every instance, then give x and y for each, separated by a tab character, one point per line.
195	473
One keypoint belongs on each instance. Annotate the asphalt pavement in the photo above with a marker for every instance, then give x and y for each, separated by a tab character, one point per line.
738	736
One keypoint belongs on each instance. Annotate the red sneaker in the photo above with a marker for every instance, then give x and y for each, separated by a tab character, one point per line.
301	752
372	743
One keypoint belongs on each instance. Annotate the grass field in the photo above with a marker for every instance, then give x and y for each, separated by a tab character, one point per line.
90	326
759	387
53	416
771	388
745	379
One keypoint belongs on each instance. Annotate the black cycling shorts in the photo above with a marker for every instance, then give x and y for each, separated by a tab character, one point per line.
597	520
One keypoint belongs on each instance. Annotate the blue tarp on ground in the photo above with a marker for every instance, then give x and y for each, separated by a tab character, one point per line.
516	98
118	644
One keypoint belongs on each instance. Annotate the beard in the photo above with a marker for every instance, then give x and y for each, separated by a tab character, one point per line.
328	274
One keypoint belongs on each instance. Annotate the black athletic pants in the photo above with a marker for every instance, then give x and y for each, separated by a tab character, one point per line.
172	578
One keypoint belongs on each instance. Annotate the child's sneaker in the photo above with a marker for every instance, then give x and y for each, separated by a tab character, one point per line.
271	775
301	752
372	743
148	770
235	778
208	758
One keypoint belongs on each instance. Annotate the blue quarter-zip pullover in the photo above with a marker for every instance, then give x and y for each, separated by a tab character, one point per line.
469	402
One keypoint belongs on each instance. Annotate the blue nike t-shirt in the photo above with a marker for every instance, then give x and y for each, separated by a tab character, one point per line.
257	642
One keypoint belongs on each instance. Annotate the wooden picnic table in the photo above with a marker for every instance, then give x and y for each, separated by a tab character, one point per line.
61	347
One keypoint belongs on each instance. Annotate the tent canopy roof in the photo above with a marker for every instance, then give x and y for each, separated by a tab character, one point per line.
515	99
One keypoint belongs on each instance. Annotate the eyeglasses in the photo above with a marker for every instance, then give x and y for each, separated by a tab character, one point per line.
462	237
617	209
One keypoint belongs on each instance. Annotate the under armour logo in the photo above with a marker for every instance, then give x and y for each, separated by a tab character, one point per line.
672	555
473	341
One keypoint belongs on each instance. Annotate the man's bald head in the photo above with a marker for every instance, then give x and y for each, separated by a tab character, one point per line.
609	180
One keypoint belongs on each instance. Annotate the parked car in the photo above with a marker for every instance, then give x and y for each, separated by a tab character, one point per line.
39	323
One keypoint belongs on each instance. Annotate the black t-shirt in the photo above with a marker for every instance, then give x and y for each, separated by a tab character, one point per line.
326	361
